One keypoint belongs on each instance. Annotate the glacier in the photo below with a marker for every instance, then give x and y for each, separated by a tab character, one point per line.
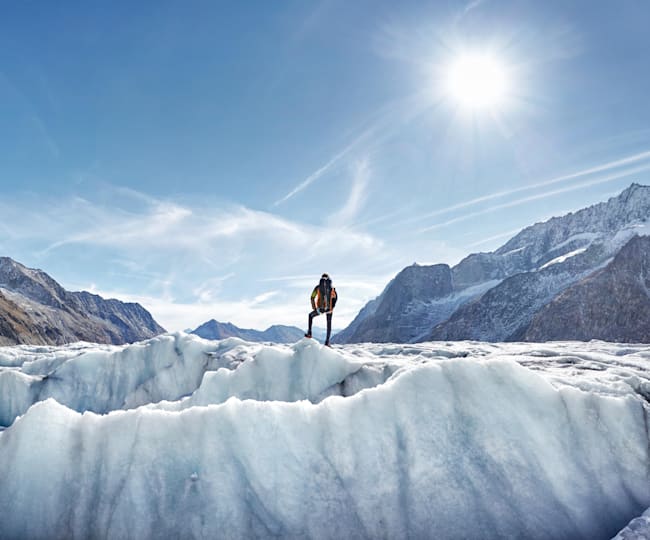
180	437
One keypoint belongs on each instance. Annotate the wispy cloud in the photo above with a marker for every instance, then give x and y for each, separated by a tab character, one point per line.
223	233
471	5
500	236
280	306
265	297
327	167
361	172
19	101
245	312
380	127
208	290
174	256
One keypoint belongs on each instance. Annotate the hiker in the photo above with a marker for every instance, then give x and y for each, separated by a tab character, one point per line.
323	300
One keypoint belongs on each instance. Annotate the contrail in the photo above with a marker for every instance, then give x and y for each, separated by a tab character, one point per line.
495	237
599	168
382	126
325	168
517	202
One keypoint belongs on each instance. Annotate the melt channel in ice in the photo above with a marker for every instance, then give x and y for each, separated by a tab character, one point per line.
187	438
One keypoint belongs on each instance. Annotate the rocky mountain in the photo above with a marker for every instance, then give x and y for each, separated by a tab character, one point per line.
494	296
15	325
408	306
545	243
277	333
504	311
612	304
35	309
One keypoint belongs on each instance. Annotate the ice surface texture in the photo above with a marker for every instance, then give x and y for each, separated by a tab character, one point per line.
637	529
432	440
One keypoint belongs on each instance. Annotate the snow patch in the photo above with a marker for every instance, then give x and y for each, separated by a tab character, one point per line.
637	529
513	251
563	258
586	237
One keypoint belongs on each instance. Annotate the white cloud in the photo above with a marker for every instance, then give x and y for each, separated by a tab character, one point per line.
166	226
327	167
264	297
208	290
188	264
257	312
358	191
380	126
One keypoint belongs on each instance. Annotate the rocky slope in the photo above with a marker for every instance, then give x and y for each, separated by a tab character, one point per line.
494	296
541	243
35	309
15	325
505	310
409	305
613	304
277	333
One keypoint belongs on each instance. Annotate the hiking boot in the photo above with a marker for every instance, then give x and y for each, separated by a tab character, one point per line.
308	335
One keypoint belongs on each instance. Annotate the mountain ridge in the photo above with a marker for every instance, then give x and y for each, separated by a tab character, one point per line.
623	317
496	294
277	333
35	309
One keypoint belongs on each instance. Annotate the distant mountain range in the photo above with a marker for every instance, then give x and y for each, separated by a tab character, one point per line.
35	309
572	277
277	333
585	275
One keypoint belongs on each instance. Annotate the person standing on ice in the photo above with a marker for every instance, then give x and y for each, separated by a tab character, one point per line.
323	300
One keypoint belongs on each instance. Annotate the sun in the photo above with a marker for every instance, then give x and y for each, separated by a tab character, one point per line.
477	81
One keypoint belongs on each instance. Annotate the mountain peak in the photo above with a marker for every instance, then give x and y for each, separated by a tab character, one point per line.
7	264
631	206
214	329
493	295
632	190
57	316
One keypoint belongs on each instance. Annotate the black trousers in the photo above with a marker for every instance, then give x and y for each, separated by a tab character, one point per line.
316	313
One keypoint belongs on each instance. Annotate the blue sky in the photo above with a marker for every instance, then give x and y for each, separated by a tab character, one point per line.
212	159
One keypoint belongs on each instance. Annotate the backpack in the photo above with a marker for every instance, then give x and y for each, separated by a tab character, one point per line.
325	294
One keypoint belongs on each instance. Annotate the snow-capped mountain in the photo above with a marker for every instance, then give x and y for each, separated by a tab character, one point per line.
495	295
404	310
35	309
505	310
180	437
612	304
277	333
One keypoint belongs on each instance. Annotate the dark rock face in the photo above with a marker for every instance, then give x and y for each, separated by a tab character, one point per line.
613	304
35	309
277	333
347	335
30	283
129	321
15	325
505	311
403	310
476	268
495	296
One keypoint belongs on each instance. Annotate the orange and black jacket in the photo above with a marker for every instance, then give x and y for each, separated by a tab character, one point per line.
318	302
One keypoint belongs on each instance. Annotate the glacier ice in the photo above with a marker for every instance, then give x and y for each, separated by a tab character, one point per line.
637	529
179	437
